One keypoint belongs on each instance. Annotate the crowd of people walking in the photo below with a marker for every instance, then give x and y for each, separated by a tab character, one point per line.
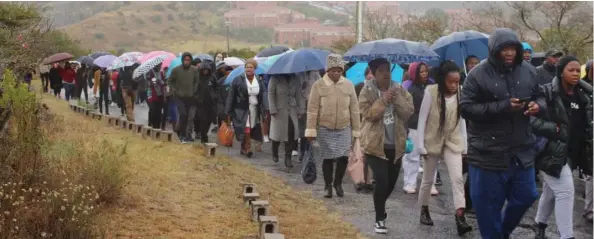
500	121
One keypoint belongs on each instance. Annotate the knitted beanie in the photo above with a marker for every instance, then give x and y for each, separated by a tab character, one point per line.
333	61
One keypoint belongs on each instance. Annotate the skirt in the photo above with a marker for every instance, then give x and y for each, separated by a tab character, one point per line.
334	143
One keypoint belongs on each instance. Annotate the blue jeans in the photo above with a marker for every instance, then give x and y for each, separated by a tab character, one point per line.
489	189
68	90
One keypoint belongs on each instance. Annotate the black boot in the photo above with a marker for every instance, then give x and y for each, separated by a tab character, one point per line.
341	165
275	146
541	231
461	224
327	168
288	161
288	151
328	190
425	217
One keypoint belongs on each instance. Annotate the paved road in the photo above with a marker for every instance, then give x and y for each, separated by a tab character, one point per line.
403	214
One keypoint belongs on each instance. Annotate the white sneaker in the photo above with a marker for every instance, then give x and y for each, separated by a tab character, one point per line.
294	153
420	169
409	190
380	227
266	139
434	191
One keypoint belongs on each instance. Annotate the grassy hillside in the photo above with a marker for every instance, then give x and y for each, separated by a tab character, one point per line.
146	26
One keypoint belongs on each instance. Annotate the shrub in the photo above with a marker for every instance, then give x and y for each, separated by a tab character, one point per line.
170	17
99	36
52	186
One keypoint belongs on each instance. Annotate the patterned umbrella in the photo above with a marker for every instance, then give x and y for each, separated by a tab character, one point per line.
151	55
148	65
126	59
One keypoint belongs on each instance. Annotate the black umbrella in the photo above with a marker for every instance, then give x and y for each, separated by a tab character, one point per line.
272	51
87	60
97	54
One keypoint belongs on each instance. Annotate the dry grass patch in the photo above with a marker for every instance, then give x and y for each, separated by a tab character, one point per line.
174	192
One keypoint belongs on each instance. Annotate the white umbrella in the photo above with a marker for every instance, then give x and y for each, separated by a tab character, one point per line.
233	61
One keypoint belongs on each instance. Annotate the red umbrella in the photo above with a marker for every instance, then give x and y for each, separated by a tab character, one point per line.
57	58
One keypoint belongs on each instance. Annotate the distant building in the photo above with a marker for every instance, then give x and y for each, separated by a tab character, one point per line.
388	7
262	16
310	34
248	4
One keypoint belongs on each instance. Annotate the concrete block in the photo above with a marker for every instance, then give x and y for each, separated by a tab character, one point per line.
124	124
156	134
249	188
210	149
97	116
248	198
168	136
258	209
268	225
274	236
116	122
131	126
87	112
147	131
72	107
110	120
139	129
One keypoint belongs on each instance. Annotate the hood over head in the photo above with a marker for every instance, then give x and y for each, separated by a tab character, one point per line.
414	69
588	67
184	56
205	65
500	38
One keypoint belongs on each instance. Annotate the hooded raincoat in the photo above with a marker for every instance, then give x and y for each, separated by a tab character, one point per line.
497	135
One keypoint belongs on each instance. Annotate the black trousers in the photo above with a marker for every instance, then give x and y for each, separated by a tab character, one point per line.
289	145
104	98
45	81
184	108
327	168
165	111
83	89
385	173
156	113
202	121
57	89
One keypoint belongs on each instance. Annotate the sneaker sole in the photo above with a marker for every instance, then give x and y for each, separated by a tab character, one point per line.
381	231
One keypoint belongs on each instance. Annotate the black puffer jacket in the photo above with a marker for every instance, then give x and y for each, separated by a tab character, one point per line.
545	73
496	135
555	154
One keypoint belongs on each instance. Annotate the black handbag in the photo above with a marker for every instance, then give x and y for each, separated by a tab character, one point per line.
308	171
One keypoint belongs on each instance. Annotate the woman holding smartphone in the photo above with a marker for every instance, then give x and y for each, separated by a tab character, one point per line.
442	135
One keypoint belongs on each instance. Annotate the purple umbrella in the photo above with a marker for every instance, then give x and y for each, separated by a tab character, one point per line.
104	61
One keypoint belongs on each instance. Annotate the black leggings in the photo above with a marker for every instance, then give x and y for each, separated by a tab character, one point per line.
466	186
385	173
104	98
289	145
83	89
156	113
202	120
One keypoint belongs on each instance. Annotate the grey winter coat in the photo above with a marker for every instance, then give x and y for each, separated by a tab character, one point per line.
498	136
284	101
306	79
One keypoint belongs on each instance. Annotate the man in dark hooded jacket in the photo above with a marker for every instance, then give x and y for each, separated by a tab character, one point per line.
206	101
497	98
183	85
546	72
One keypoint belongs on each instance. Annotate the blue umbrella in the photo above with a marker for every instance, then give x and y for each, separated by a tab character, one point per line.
304	59
459	45
104	61
204	57
356	73
394	50
240	71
